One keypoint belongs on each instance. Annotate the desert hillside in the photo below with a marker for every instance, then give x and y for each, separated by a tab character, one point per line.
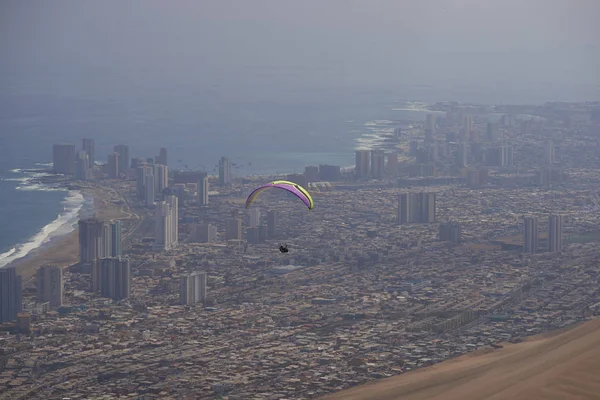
550	367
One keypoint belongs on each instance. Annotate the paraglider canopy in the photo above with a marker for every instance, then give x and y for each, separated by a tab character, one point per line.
291	187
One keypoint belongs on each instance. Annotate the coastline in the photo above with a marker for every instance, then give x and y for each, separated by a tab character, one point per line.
63	250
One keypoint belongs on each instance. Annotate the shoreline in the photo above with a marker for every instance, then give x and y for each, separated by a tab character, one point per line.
62	250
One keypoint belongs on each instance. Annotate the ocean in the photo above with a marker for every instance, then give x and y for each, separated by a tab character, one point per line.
260	137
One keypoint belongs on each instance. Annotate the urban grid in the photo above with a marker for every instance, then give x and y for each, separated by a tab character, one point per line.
475	227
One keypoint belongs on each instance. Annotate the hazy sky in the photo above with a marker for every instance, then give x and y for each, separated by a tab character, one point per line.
528	44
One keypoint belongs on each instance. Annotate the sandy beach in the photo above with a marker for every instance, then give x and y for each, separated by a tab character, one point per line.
64	250
552	366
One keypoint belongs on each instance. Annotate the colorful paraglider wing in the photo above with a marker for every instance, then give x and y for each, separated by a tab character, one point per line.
299	188
285	186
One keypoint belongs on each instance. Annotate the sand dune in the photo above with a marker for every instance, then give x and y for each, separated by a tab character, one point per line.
550	367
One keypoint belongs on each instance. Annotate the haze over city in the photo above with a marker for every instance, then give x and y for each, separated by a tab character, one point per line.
276	199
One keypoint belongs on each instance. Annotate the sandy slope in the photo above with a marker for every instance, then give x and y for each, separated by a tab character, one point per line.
563	366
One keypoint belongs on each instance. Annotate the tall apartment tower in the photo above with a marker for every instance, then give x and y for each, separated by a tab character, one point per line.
555	232
166	235
161	177
203	191
112	278
377	164
192	288
461	155
530	235
116	239
550	153
10	294
91	240
89	147
426	207
224	171
450	232
63	158
272	224
468	125
49	285
490	131
404	212
162	156
506	156
113	166
123	152
430	128
233	229
82	166
416	207
206	233
149	186
362	164
254	214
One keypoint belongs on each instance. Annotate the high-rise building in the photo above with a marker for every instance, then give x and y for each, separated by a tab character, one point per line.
468	125
162	156
377	164
82	168
254	217
63	158
450	232
173	203
490	131
272	224
404	212
530	235
391	166
416	207
506	156
555	232
550	153
149	186
166	228
253	235
311	173
192	288
113	166
477	177
89	147
91	240
116	239
362	164
263	233
49	285
430	128
205	233
426	207
330	173
10	294
123	152
140	181
233	229
461	155
161	177
112	278
224	171
203	191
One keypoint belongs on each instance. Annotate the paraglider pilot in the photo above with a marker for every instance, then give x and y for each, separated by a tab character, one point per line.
283	248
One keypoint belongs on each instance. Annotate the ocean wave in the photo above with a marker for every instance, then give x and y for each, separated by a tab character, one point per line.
64	223
27	182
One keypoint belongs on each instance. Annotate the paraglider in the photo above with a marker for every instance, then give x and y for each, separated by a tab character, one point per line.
283	248
291	187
